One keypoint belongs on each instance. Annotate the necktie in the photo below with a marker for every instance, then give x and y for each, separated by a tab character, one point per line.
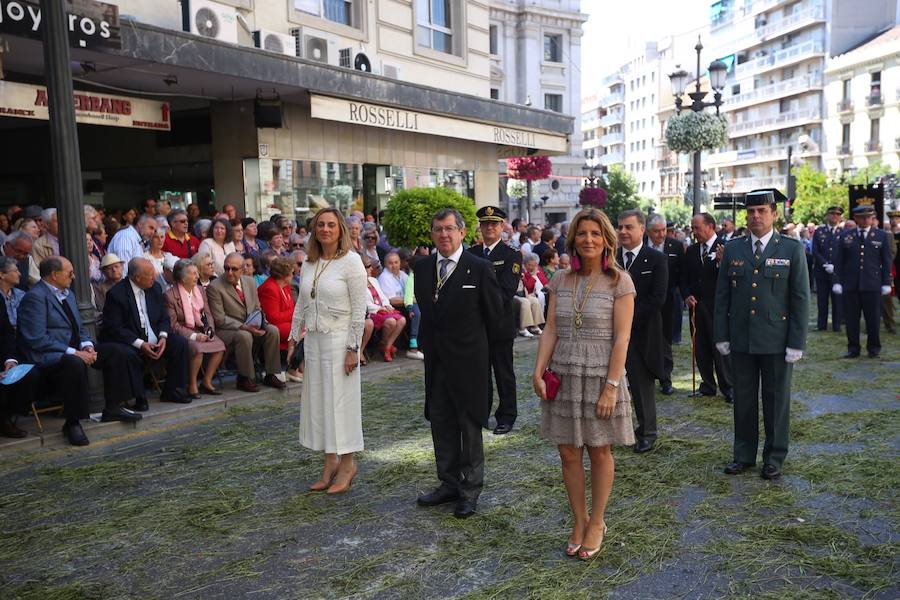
629	258
239	293
758	254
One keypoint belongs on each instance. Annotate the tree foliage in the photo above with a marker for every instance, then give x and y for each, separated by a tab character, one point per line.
407	216
621	191
815	194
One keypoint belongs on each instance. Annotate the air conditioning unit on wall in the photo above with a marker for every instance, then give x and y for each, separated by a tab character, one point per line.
316	45
210	20
280	43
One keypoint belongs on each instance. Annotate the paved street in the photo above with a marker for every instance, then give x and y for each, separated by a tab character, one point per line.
219	508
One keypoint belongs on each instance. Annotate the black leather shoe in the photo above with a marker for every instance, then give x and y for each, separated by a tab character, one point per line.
502	429
440	495
851	355
770	472
141	405
735	468
465	508
174	396
643	446
120	413
667	390
75	434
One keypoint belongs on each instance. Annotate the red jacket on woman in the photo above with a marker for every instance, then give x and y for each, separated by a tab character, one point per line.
278	306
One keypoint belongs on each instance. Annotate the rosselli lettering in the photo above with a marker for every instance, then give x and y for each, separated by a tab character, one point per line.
382	116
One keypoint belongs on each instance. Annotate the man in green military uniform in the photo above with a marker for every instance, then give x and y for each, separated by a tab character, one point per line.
761	314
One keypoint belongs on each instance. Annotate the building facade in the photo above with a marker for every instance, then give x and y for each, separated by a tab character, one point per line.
862	104
535	49
774	99
277	107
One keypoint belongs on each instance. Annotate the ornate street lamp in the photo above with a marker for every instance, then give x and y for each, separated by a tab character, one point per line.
718	72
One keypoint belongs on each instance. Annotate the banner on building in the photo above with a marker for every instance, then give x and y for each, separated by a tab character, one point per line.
31	102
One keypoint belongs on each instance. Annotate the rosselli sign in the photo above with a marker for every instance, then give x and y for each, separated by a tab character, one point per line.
510	141
30	102
91	24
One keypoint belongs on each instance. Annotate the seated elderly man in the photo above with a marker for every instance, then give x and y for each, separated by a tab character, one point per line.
233	300
51	336
136	321
113	269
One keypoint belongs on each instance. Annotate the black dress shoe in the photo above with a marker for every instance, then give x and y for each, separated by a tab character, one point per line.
643	446
851	355
465	508
174	396
120	413
735	468
667	390
75	434
141	405
440	495
502	428
770	472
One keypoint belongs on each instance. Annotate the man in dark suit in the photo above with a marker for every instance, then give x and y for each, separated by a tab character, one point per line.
824	246
862	274
673	250
51	336
507	265
645	362
699	273
461	305
135	320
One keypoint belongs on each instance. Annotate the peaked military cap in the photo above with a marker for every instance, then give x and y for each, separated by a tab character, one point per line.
763	197
490	214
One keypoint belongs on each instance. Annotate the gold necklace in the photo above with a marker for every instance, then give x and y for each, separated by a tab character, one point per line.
578	320
315	283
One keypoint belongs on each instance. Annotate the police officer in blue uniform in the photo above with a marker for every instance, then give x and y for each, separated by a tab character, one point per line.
823	248
862	269
507	265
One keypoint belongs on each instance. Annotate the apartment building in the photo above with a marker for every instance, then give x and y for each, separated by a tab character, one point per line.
535	51
862	104
776	51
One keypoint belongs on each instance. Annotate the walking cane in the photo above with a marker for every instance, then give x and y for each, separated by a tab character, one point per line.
693	351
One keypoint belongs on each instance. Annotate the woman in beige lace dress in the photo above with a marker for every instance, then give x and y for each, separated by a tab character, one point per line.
585	342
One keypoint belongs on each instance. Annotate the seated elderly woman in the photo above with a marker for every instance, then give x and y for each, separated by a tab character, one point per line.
191	319
531	310
385	317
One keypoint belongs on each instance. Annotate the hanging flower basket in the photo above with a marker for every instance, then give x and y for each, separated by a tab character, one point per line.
516	188
529	168
695	131
595	197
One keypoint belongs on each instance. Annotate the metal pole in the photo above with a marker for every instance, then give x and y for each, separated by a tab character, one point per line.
697	182
65	158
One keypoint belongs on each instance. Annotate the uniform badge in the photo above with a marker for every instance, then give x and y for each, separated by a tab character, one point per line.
516	268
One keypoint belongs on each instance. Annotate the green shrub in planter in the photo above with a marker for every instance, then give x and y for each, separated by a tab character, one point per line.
407	216
695	131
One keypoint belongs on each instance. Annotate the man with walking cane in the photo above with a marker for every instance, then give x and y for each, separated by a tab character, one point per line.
762	308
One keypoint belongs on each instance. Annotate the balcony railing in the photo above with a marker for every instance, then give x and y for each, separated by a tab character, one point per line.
844	150
780	121
616	137
813	13
614	118
845	105
612	158
775	90
873	146
778	58
875	100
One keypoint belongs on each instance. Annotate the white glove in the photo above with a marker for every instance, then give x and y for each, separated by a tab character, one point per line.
791	355
837	289
724	348
829	268
885	290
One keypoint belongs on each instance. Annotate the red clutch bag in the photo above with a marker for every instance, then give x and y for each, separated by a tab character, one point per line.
551	381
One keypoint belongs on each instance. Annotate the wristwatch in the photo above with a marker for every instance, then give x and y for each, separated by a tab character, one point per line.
612	382
353	348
